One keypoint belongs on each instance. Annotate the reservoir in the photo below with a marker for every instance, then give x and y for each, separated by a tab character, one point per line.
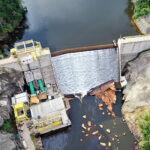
75	23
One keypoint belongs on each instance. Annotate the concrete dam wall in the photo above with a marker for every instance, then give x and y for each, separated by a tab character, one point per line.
129	47
82	70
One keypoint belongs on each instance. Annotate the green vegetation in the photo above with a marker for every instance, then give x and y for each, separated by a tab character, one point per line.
11	14
145	130
7	126
142	8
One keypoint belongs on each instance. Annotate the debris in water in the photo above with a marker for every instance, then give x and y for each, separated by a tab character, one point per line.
88	129
100	137
112	138
109	113
87	135
103	113
108	130
100	108
95	132
124	133
114	122
101	126
84	116
81	140
83	131
89	123
102	144
116	136
106	92
83	126
100	105
109	144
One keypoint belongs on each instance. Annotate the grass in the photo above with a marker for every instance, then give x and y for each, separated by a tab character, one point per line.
144	125
7	126
142	8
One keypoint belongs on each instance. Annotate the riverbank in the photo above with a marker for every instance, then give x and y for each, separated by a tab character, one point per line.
12	15
142	23
137	93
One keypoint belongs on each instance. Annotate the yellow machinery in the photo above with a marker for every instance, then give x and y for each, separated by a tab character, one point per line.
29	47
20	111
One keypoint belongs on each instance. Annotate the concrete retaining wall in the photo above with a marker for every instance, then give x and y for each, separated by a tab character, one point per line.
129	47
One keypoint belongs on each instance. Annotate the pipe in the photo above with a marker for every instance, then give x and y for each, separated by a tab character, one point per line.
31	88
40	82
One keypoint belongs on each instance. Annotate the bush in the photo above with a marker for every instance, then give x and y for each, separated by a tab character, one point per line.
7	126
11	13
145	130
142	8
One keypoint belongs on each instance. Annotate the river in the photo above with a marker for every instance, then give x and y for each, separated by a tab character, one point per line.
74	23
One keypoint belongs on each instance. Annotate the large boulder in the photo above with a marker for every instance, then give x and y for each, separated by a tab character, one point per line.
137	92
7	141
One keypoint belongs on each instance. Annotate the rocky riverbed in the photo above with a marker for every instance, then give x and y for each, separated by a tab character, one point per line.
137	92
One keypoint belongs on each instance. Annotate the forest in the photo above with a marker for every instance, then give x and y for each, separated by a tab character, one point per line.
11	14
142	8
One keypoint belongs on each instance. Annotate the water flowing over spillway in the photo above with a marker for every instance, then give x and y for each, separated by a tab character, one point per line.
79	72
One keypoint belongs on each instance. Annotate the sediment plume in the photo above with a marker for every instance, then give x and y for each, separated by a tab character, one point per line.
106	92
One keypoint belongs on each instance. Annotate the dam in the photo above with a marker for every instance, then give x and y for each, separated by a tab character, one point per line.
82	70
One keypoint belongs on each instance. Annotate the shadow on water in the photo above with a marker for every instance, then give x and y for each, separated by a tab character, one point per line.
69	139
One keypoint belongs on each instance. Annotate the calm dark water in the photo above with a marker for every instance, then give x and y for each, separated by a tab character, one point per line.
61	24
70	138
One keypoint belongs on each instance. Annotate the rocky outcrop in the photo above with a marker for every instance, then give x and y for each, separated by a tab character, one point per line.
9	142
11	82
137	92
143	24
106	93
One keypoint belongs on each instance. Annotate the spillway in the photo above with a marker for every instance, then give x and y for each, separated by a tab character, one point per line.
80	71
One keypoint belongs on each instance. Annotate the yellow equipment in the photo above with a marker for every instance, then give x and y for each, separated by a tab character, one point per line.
13	52
34	100
20	111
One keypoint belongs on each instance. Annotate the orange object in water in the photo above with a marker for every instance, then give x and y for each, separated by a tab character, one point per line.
89	123
84	116
95	132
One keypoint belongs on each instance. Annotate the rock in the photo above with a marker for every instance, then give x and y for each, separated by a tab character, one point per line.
108	130
95	132
137	92
1	121
7	142
102	144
